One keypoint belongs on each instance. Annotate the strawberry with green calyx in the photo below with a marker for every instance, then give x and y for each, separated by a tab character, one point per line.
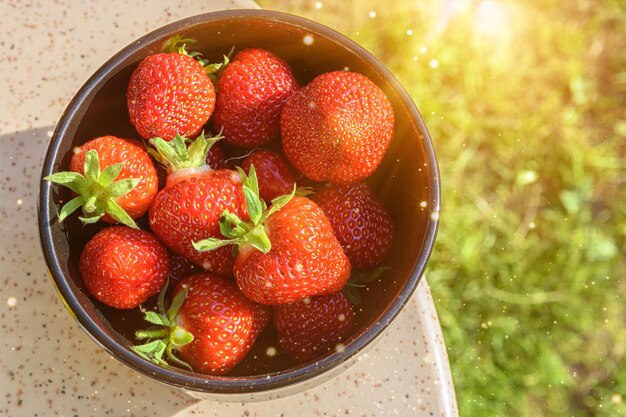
286	253
188	208
274	174
209	327
178	44
314	326
113	179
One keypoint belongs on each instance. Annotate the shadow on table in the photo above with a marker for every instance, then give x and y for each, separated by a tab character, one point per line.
47	363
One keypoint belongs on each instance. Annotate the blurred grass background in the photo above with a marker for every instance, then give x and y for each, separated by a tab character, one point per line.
526	104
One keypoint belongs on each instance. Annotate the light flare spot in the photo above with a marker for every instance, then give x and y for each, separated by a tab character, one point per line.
11	301
271	351
308	40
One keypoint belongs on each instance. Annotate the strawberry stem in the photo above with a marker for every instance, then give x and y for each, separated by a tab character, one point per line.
97	191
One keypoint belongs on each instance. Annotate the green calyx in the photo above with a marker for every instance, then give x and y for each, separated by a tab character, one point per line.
165	336
97	191
178	44
239	232
175	154
358	281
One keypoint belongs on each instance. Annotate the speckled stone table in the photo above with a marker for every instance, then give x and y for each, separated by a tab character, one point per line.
48	366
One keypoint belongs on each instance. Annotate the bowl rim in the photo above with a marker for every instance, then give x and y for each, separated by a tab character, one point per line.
224	384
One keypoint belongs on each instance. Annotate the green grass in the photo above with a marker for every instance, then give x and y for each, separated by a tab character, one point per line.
529	124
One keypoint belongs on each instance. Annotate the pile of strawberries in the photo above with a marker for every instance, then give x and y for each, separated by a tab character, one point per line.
238	246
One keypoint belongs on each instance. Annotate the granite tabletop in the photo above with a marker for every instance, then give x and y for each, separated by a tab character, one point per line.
48	365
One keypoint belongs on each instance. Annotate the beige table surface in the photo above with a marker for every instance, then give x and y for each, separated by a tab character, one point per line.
48	366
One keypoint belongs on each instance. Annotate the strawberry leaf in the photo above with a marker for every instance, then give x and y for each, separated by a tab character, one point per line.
177	360
152	351
177	302
92	166
156	318
231	226
212	244
121	187
110	173
259	239
153	332
253	203
280	202
119	214
72	180
70	207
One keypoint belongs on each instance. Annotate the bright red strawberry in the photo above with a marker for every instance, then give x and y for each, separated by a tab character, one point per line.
314	326
216	158
121	192
274	174
360	222
188	208
251	92
337	128
210	325
170	94
286	253
123	267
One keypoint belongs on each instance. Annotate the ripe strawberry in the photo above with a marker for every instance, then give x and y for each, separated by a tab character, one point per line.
124	189
311	327
251	92
170	94
285	253
337	128
274	174
360	222
210	325
188	208
123	267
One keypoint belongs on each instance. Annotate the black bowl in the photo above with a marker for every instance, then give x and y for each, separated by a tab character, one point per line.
407	182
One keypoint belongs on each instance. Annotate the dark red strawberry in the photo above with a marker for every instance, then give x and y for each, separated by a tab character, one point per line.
188	208
360	222
123	267
314	326
337	128
210	325
274	174
286	253
181	267
121	192
251	92
216	158
170	94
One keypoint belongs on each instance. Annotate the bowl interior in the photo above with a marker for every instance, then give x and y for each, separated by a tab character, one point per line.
406	182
